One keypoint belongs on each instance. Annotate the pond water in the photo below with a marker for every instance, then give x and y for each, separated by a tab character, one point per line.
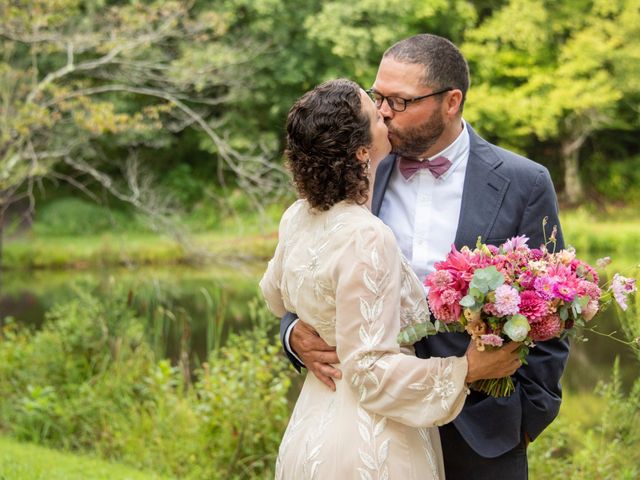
226	294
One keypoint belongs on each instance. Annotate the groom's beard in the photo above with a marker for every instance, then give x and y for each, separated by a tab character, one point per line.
413	142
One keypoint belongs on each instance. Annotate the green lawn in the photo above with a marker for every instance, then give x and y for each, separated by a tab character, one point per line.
31	252
22	461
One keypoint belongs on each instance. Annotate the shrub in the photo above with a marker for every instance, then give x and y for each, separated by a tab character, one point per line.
74	216
604	445
88	380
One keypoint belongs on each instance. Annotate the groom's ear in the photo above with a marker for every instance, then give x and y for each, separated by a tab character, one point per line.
452	102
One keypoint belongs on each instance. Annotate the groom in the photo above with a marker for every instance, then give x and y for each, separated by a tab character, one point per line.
444	185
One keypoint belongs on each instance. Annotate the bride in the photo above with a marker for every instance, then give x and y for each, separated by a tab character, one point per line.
338	267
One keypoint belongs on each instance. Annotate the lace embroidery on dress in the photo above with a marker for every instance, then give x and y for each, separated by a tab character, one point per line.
441	386
324	291
414	308
313	445
370	428
428	450
371	331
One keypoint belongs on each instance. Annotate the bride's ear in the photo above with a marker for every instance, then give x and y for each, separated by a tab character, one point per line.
362	154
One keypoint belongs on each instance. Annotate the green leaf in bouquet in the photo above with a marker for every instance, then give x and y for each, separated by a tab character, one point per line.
413	333
579	303
477	294
468	301
485	279
494	322
523	351
564	313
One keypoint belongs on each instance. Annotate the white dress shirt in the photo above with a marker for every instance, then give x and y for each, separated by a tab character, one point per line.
423	211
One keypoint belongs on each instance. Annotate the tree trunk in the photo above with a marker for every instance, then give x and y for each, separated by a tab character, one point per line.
572	183
573	191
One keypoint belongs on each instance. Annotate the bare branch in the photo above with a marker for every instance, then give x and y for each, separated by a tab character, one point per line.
164	30
234	160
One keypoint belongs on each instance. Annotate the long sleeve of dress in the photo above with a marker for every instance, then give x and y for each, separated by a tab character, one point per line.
412	391
271	281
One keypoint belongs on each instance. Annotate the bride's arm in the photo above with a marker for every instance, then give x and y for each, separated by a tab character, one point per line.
271	281
410	390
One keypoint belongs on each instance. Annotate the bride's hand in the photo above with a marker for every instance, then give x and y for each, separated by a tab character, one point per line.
315	353
492	364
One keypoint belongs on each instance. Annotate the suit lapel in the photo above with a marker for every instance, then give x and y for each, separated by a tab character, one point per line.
383	174
484	190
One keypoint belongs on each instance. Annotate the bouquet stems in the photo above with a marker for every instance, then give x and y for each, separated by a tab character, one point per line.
495	387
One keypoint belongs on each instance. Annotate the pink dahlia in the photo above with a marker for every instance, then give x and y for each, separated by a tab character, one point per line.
588	288
532	306
545	329
439	279
507	300
445	312
536	254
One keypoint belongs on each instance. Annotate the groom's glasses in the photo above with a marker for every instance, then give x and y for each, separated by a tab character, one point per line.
399	104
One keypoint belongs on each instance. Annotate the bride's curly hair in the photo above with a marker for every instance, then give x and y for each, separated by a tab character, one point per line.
325	128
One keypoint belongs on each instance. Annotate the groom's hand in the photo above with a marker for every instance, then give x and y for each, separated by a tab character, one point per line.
315	353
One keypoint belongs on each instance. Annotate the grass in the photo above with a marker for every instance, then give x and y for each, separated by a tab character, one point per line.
615	233
22	461
132	249
611	232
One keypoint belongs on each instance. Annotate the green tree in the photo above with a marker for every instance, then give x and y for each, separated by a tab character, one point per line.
82	82
560	74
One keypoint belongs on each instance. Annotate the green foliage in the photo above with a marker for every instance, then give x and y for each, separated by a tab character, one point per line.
89	381
74	216
557	75
615	179
594	437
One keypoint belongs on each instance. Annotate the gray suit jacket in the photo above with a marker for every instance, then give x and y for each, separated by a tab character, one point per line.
504	195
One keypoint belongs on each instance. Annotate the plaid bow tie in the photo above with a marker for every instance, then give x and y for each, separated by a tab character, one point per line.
437	166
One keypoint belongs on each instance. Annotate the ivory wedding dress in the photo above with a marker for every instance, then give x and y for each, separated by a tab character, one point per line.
342	272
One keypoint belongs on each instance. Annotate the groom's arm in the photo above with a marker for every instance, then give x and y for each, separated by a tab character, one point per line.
305	348
286	326
540	379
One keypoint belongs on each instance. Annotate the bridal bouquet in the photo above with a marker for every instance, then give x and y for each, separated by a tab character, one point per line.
514	293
